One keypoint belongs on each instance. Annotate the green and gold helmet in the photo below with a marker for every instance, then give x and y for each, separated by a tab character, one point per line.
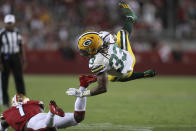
89	43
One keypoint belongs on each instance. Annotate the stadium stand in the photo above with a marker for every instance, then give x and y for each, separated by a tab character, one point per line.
164	27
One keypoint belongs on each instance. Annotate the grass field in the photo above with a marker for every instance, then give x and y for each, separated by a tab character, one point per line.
157	104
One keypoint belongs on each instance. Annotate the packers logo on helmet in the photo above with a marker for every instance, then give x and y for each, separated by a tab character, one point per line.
89	43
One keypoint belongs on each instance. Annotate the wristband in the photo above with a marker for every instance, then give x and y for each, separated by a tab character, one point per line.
86	93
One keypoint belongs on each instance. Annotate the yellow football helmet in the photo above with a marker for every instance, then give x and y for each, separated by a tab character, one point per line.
89	43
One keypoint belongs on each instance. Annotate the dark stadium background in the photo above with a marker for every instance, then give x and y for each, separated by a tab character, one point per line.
164	36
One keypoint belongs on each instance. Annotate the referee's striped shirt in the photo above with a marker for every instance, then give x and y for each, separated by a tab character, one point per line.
10	41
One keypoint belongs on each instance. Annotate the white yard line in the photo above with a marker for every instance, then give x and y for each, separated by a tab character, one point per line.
110	126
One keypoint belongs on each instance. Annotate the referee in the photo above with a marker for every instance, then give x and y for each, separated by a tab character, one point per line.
12	58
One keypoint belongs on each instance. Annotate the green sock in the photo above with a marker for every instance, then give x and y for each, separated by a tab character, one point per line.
128	26
129	20
135	75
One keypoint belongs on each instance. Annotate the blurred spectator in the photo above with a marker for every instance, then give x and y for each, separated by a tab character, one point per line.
47	23
66	51
186	18
164	52
177	53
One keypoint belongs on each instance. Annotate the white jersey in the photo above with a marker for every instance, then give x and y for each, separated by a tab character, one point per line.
116	61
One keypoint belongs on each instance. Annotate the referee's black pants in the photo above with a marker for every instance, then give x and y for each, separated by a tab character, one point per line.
12	63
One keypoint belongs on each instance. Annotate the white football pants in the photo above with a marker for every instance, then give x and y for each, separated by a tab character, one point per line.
40	121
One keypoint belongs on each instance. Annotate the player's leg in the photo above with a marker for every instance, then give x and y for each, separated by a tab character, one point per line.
18	74
5	78
123	43
72	119
122	35
41	121
137	75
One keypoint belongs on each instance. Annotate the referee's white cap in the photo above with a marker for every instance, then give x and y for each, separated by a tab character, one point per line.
9	18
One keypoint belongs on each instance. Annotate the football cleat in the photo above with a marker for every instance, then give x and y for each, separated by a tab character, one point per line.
150	73
123	4
127	11
54	109
85	80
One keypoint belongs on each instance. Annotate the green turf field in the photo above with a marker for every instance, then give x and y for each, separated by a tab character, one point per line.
157	104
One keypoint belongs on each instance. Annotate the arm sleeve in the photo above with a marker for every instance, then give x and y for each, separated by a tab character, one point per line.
97	65
98	69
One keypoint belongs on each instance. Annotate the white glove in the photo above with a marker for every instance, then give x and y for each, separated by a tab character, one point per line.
77	92
74	92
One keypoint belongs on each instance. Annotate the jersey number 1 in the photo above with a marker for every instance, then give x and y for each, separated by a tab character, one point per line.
21	111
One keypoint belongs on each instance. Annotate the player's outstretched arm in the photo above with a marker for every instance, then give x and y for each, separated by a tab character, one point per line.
130	17
101	88
102	84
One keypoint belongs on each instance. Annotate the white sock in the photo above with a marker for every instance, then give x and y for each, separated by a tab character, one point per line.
80	104
49	119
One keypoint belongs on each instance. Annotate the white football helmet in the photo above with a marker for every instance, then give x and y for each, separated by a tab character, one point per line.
19	98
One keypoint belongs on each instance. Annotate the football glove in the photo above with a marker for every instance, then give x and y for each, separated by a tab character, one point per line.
77	92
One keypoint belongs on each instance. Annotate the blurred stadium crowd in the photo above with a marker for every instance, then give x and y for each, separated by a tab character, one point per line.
54	24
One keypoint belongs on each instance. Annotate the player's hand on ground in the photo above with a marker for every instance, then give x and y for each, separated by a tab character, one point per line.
74	92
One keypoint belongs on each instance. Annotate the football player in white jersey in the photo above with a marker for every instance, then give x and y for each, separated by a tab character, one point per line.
111	56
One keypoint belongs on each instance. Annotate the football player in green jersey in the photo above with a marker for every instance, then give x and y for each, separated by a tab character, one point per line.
111	56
